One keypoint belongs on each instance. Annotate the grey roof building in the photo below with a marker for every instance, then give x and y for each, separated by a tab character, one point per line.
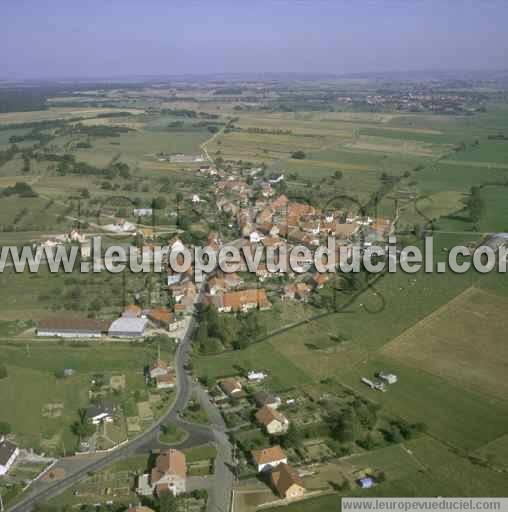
127	327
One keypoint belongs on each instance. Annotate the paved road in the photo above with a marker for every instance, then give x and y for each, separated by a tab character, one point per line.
77	468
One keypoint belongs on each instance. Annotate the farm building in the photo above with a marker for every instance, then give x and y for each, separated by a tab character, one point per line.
389	378
127	327
69	327
366	483
8	454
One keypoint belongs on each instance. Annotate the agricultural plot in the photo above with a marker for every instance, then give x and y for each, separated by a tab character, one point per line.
462	341
455	415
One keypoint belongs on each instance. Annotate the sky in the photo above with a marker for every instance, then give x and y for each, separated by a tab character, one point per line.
118	38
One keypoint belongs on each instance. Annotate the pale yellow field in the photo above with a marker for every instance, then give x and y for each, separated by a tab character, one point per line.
55	113
463	341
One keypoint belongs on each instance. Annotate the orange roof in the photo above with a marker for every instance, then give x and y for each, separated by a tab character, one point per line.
167	378
160	315
283	477
320	279
280	202
231	386
236	300
159	364
346	229
267	455
266	415
133	308
169	462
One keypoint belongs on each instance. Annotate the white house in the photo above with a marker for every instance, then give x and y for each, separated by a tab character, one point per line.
168	475
196	199
142	212
102	413
256	376
269	458
390	378
8	455
255	237
273	421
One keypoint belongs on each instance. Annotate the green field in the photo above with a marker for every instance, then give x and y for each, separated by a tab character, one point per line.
32	389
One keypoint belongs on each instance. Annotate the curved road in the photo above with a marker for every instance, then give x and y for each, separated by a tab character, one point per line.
77	468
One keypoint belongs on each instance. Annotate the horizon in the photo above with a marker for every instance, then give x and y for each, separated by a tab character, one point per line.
58	41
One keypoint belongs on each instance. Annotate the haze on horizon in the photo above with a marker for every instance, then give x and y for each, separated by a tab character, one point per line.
118	38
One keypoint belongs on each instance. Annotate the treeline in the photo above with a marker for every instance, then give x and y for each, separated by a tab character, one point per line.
22	100
190	114
228	91
212	126
8	154
34	135
100	130
20	189
108	115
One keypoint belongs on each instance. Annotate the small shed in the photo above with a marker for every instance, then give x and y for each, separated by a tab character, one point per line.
366	483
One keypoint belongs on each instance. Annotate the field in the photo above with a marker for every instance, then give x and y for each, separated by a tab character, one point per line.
283	374
441	333
50	403
460	342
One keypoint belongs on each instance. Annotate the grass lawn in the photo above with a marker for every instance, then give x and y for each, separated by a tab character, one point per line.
50	405
200	453
283	374
172	435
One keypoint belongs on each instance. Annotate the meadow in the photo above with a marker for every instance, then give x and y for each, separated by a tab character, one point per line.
39	405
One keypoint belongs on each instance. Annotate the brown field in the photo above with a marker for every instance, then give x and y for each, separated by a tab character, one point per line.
464	342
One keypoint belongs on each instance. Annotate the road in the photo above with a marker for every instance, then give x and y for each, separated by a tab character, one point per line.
78	467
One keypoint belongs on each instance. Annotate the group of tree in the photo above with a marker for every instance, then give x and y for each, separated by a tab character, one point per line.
401	430
20	189
354	422
475	204
216	332
82	427
298	155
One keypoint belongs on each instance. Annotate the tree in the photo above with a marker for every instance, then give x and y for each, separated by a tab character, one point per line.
82	427
168	502
366	413
337	175
159	203
475	204
3	372
346	427
292	437
299	155
5	428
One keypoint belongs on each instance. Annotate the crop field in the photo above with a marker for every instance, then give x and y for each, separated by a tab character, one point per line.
462	342
42	293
